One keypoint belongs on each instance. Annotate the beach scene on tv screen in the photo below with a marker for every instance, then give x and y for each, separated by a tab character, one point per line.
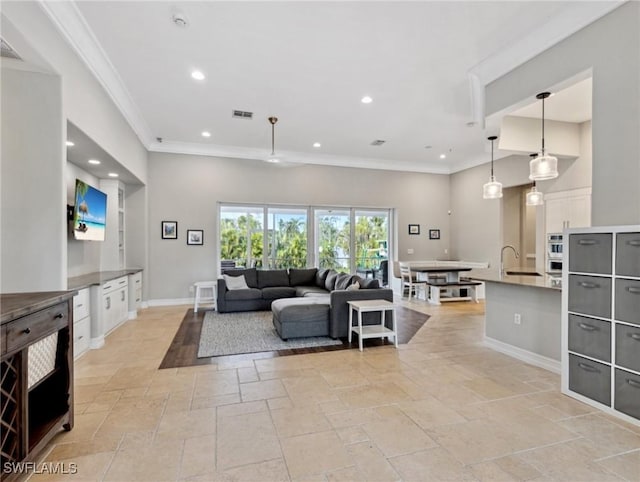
90	213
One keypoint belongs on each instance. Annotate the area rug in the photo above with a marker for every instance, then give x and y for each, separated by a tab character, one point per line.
250	332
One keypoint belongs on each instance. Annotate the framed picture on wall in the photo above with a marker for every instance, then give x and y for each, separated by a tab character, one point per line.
195	237
414	229
434	234
169	229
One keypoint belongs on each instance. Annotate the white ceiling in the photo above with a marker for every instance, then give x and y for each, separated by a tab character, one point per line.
309	64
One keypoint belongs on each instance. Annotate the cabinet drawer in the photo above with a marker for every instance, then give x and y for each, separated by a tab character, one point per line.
590	253
628	347
627	393
115	284
81	336
30	329
628	254
81	304
590	337
628	300
590	295
590	378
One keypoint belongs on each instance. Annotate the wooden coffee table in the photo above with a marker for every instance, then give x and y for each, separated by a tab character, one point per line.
372	331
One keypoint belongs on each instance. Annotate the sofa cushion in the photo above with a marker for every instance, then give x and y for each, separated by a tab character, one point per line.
276	292
310	291
235	282
321	277
302	277
250	275
330	281
248	294
272	277
343	280
369	284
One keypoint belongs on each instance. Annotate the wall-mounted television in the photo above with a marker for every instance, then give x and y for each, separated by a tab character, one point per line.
89	213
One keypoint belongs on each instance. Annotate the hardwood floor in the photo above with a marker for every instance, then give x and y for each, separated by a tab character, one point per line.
183	351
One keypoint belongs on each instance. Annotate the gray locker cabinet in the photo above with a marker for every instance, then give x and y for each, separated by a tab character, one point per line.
628	254
628	347
628	300
627	393
590	337
590	295
590	378
590	253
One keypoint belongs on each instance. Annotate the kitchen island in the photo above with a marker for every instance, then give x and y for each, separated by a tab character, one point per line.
523	316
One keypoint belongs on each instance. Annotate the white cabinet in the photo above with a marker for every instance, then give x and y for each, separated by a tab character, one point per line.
113	248
115	302
567	209
81	322
135	294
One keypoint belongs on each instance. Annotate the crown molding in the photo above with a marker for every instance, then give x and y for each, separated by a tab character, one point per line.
71	23
556	29
291	158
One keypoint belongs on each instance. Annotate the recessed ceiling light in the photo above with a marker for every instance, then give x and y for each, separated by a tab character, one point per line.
113	174
317	144
443	156
206	134
196	74
273	160
93	161
366	100
70	144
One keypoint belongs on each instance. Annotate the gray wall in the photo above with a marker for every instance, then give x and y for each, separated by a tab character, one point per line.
33	195
611	48
186	189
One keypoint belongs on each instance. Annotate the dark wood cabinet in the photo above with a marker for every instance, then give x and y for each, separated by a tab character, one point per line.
36	374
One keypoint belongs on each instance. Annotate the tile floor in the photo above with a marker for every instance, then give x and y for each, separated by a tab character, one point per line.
442	407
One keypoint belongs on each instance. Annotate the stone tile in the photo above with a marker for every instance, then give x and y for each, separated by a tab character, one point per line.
371	463
604	433
157	462
372	395
351	435
626	466
234	409
91	467
192	423
314	453
272	471
297	421
246	439
430	413
398	436
199	456
262	390
433	464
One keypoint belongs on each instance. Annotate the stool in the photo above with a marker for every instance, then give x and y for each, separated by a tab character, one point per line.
205	293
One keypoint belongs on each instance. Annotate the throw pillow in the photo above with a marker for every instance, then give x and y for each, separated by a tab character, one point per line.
343	280
369	284
302	277
330	281
354	286
321	277
235	282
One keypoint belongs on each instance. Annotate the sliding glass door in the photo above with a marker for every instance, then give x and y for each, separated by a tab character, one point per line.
333	239
287	239
241	236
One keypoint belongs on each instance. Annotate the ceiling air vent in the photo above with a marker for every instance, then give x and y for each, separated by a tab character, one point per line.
378	142
242	114
7	51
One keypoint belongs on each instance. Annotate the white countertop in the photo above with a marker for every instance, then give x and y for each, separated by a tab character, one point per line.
492	276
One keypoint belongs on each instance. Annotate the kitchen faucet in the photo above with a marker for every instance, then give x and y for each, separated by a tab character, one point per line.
515	251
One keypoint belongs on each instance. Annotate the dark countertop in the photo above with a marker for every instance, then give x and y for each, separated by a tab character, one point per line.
492	276
17	305
98	278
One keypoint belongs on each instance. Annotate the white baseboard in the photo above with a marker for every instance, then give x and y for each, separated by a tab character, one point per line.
133	314
524	355
144	305
96	342
171	302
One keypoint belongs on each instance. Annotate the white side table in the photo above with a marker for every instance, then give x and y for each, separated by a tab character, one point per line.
205	292
372	331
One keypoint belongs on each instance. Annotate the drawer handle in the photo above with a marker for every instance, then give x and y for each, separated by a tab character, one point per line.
635	336
588	368
634	242
79	305
633	290
588	285
80	337
587	242
26	331
59	316
633	383
587	327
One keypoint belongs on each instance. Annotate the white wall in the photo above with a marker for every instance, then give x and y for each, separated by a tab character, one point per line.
610	47
33	198
186	189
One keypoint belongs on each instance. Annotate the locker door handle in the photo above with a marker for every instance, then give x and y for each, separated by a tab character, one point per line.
588	285
588	368
587	327
634	242
635	336
633	383
587	242
633	290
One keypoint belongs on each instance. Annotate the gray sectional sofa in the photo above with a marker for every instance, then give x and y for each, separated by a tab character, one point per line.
319	287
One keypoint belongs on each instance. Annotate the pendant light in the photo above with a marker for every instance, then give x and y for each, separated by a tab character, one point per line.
272	157
543	167
534	197
492	189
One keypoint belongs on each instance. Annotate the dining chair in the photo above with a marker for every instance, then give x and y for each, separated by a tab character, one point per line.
411	283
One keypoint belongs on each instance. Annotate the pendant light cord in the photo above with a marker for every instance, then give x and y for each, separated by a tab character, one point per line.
543	126
273	141
491	157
